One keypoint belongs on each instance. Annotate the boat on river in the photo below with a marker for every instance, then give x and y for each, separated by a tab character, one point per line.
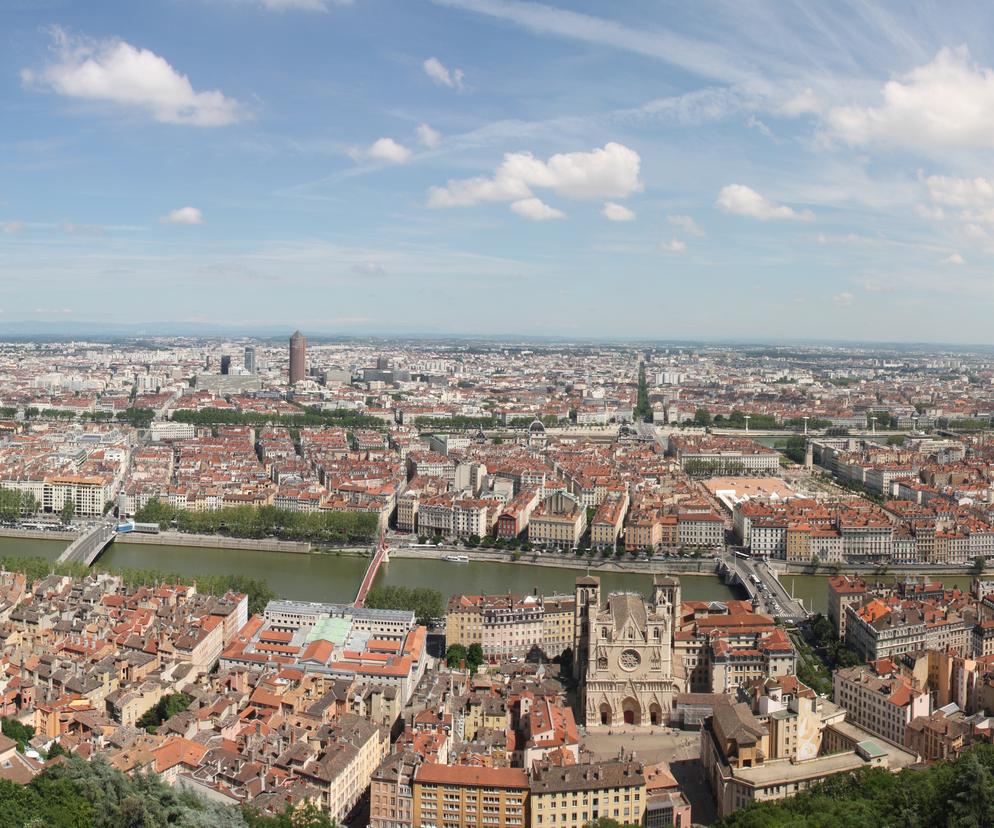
456	558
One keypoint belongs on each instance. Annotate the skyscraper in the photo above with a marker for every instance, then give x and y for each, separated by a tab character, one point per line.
250	358
298	357
226	365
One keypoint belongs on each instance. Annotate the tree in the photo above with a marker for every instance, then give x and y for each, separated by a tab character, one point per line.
979	565
607	822
20	733
306	816
456	655
56	750
167	707
474	655
972	800
68	510
822	630
643	409
75	793
426	603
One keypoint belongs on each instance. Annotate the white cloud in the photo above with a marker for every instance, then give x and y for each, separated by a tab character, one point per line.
369	268
741	200
803	103
428	137
113	71
11	228
386	149
183	215
945	104
976	233
536	210
686	223
674	245
611	171
930	213
954	258
960	192
844	299
438	72
613	211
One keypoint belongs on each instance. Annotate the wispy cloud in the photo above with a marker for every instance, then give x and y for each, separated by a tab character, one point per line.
694	55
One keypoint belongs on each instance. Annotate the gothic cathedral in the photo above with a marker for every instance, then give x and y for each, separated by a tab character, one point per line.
623	654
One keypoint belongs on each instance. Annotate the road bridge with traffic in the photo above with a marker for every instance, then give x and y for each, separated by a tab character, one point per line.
763	587
90	543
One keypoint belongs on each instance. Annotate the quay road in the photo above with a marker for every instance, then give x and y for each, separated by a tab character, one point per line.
763	586
88	546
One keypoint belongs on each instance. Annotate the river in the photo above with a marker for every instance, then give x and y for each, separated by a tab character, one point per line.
330	577
335	578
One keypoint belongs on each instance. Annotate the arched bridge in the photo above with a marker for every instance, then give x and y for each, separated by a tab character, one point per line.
379	556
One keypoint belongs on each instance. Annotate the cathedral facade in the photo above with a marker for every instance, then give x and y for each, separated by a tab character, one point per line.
623	654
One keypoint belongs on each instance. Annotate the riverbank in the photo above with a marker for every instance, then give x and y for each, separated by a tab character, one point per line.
36	534
213	542
681	566
173	539
890	572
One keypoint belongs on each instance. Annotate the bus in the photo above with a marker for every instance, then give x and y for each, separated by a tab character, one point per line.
755	580
738	554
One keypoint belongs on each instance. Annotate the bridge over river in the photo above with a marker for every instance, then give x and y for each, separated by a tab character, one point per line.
88	546
379	556
763	587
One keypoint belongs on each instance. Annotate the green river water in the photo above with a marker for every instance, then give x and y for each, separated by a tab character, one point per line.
330	577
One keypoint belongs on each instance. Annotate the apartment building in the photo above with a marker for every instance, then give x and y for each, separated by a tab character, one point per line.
722	455
557	624
510	626
559	521
461	796
844	592
88	493
605	527
703	529
877	630
391	795
882	704
741	763
571	796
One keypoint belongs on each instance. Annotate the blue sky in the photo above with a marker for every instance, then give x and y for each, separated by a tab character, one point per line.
668	170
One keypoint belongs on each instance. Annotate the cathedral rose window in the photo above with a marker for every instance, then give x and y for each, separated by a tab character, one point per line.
629	660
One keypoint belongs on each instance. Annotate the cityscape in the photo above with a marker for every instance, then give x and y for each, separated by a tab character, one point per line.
496	414
418	583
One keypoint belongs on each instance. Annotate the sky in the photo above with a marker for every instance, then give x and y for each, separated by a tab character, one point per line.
705	170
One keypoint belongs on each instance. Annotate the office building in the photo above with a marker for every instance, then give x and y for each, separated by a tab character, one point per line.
250	358
298	357
225	365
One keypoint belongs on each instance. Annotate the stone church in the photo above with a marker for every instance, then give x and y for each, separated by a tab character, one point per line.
623	654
